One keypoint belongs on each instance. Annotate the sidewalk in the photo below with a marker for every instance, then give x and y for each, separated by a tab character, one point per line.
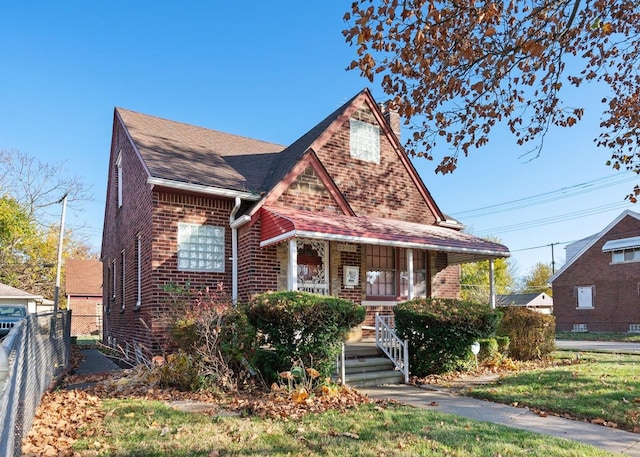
610	439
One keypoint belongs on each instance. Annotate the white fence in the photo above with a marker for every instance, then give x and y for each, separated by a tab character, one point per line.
37	352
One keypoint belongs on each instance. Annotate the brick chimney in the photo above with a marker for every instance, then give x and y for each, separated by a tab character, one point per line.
392	117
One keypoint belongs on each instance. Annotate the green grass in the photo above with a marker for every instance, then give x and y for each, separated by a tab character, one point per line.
136	428
602	386
599	336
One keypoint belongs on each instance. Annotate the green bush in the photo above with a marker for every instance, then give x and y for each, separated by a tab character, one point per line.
488	350
302	326
440	331
503	344
531	334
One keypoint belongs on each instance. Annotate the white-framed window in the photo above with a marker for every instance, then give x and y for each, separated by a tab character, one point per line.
381	272
138	271
113	279
419	273
123	282
200	248
364	141
584	296
625	255
119	178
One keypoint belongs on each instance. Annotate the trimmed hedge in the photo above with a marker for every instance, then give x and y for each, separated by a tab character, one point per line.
299	326
440	331
531	334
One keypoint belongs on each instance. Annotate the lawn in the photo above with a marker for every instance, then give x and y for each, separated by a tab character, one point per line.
135	428
602	388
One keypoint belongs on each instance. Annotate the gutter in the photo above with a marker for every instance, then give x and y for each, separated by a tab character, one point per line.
199	188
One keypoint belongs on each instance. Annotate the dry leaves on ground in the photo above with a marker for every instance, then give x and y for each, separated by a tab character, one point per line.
76	411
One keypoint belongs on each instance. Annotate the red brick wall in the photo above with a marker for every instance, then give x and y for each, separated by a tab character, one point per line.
121	227
381	190
86	315
154	214
445	279
616	298
308	193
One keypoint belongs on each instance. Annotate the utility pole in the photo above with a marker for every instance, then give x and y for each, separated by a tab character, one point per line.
553	261
56	294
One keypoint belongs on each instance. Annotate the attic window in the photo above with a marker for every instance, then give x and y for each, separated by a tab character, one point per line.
364	141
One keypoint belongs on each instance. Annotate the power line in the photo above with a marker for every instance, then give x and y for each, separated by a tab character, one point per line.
551	220
546	197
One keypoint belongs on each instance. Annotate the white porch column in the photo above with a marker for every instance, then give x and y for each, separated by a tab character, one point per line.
492	284
410	291
292	269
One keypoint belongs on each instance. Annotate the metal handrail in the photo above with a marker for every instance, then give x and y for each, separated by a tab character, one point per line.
391	345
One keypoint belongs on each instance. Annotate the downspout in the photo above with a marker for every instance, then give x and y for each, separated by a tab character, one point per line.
234	224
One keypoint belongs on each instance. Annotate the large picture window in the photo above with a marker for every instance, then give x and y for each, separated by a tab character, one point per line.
200	248
388	273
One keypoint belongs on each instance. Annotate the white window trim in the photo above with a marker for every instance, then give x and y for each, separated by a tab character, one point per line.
592	295
139	270
113	280
364	141
221	258
119	177
123	282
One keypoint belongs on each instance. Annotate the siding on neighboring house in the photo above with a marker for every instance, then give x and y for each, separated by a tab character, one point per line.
614	288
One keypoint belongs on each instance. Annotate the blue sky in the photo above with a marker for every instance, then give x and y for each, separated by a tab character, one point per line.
266	70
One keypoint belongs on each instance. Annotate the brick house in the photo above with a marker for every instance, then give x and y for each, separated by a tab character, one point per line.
598	288
341	211
83	290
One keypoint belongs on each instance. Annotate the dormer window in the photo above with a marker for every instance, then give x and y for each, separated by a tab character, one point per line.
364	141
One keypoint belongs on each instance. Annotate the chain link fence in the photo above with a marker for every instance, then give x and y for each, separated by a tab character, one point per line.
39	351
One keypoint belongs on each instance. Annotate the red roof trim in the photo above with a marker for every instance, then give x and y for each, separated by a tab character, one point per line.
279	224
310	159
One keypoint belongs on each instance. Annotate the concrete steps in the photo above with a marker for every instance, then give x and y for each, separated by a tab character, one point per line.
365	365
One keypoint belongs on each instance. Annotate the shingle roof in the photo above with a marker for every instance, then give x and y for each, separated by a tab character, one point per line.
290	156
516	299
186	153
83	277
11	292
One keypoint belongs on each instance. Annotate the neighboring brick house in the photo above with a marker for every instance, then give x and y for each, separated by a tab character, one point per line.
83	289
341	211
598	288
538	301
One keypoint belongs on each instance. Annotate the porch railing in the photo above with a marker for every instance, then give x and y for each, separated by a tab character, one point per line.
392	346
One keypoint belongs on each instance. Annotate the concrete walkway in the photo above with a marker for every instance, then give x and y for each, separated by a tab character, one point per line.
444	401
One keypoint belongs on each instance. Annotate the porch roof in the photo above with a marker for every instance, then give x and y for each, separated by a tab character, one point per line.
280	224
